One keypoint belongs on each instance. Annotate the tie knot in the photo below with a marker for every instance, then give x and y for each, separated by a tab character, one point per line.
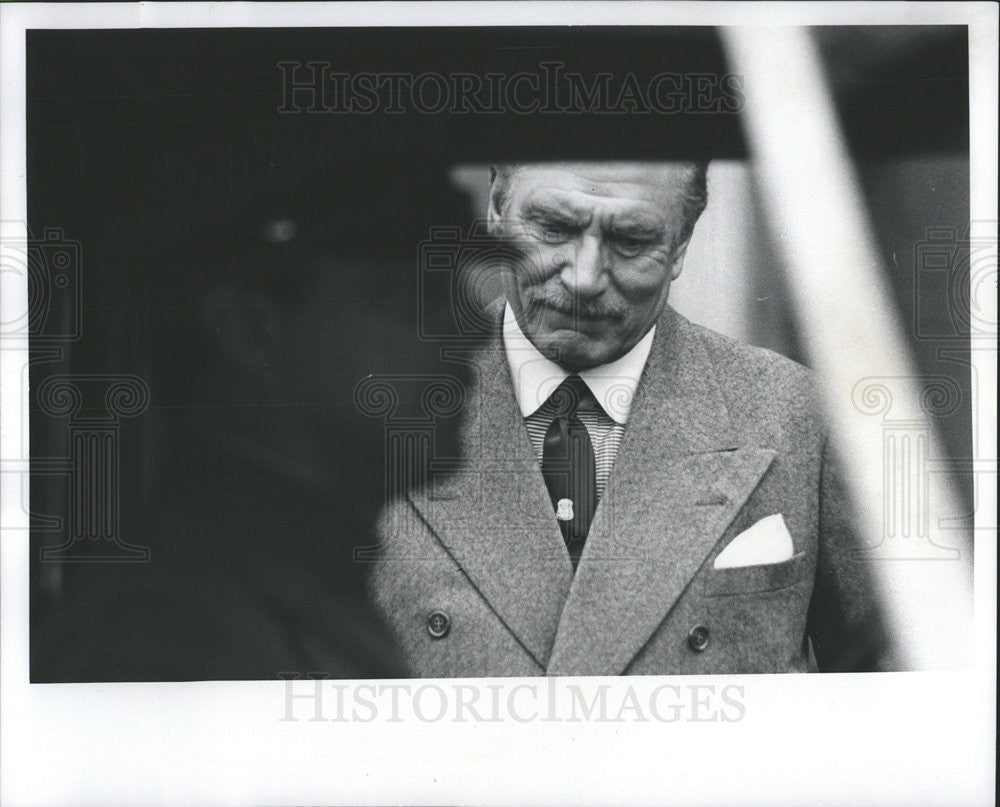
570	396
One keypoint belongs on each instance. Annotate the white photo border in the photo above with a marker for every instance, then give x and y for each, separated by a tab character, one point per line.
890	738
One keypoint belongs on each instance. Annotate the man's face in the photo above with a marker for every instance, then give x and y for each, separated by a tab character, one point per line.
601	242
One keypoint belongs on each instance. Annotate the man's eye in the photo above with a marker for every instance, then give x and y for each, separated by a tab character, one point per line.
556	233
629	247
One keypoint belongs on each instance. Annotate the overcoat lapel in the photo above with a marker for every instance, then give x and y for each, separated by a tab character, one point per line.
679	479
494	515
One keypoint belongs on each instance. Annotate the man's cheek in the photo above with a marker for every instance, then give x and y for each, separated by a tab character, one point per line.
642	284
552	257
534	269
652	268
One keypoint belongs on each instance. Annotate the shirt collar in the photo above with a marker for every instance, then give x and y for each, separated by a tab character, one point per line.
536	377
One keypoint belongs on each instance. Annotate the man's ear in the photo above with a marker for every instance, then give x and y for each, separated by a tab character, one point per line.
494	219
678	264
492	215
245	325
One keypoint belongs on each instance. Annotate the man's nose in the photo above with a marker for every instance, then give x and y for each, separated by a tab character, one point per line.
584	274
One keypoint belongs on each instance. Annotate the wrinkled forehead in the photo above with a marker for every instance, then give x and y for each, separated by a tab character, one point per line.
650	185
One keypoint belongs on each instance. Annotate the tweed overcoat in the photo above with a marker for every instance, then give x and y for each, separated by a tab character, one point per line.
721	435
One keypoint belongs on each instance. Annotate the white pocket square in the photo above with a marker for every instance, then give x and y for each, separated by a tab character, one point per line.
767	541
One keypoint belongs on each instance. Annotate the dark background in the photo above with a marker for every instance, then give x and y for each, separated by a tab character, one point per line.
249	268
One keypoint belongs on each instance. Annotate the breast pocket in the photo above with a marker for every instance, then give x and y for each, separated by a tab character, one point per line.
755	579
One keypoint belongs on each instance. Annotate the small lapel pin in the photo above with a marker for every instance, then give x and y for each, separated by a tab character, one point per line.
564	510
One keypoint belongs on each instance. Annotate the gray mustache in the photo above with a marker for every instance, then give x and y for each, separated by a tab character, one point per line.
585	309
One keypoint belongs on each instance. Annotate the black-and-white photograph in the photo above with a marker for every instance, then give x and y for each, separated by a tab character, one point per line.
382	352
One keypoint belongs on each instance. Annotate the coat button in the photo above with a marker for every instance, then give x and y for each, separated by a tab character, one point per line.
438	624
698	638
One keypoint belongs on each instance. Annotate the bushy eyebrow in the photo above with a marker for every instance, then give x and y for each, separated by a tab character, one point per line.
637	226
556	210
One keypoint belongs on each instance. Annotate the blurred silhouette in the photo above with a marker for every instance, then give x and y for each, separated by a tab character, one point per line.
267	477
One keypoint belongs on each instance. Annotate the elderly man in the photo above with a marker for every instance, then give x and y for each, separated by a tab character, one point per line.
636	494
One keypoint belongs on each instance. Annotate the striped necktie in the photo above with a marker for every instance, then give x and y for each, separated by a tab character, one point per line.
568	464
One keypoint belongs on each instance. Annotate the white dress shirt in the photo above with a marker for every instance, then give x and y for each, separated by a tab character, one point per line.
613	385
